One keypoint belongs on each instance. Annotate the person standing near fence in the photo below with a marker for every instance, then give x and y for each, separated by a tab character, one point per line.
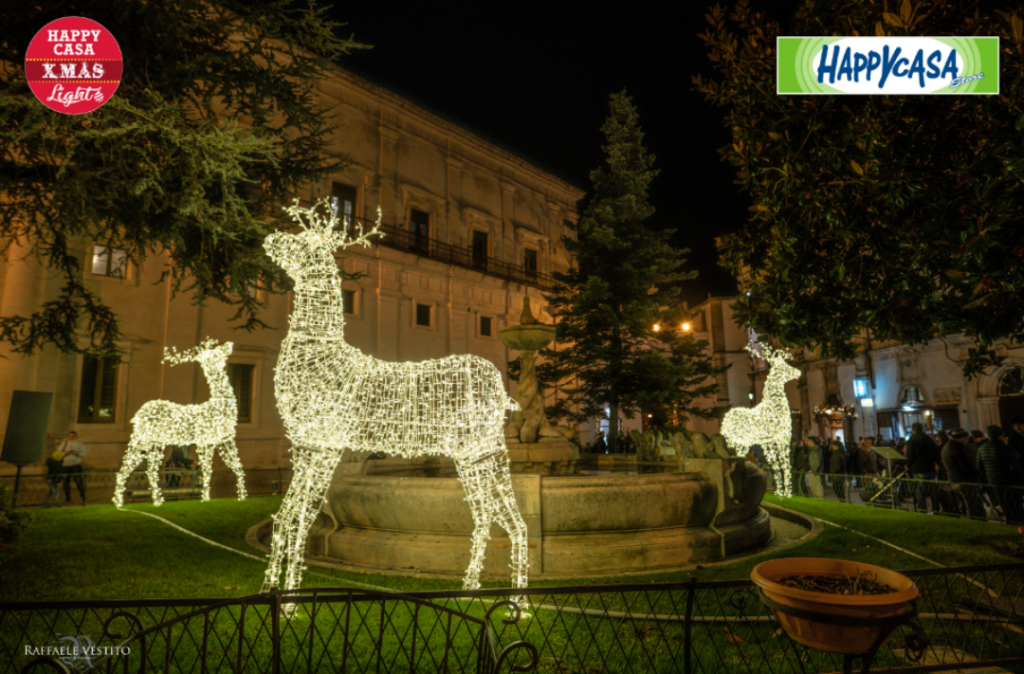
73	451
922	455
962	472
851	459
837	467
815	465
867	460
867	464
999	466
977	440
946	493
799	465
1016	439
54	474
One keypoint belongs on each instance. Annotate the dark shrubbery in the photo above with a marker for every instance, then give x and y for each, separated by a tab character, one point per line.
12	523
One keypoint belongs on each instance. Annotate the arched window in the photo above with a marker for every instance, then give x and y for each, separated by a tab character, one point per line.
1012	382
912	396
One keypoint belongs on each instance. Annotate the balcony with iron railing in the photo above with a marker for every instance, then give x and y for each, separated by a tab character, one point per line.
459	256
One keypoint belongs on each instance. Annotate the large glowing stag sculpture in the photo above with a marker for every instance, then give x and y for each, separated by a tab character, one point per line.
333	397
209	425
768	424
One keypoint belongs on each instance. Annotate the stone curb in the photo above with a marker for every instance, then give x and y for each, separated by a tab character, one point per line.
814	526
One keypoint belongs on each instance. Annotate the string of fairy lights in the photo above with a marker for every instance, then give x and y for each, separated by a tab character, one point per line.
769	423
209	425
333	397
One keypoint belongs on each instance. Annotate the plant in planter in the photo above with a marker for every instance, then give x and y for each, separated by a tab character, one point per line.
838	606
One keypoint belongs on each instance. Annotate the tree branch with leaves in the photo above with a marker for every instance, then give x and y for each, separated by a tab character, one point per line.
898	215
215	125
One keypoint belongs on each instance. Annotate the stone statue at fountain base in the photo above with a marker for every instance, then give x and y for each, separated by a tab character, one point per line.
534	445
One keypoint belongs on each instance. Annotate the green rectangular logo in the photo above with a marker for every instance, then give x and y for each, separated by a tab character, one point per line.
887	65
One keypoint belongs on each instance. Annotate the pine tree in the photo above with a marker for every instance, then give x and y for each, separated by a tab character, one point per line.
619	308
164	166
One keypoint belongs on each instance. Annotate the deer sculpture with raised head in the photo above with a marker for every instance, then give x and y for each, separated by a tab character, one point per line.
769	423
333	397
209	425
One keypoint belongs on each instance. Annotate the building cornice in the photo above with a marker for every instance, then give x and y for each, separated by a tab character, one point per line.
388	99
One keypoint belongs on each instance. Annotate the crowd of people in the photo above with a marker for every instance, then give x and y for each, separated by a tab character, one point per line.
962	472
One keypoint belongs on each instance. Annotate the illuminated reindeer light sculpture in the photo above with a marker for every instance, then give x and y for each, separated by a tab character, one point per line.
768	424
207	425
333	397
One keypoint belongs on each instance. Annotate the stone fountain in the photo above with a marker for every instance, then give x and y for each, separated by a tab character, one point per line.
534	445
409	515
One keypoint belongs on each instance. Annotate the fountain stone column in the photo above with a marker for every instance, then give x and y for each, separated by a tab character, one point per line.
534	445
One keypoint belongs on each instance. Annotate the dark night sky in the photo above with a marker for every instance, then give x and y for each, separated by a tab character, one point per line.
535	78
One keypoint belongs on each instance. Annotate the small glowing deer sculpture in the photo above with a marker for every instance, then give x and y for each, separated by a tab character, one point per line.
333	397
769	423
208	425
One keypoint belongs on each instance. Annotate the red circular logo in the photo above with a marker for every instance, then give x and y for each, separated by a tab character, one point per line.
73	65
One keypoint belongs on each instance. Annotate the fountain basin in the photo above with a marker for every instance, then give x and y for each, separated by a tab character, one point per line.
532	337
576	526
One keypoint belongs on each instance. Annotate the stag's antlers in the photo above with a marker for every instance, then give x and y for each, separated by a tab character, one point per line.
770	353
172	356
312	220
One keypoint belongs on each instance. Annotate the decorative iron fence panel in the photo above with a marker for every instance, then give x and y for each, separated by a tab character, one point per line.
972	616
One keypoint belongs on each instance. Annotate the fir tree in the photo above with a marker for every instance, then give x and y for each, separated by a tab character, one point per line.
618	309
164	165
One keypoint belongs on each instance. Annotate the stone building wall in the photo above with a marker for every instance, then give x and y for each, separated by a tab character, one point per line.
891	373
402	158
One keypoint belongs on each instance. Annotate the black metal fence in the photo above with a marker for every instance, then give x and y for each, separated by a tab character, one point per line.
972	617
175	484
978	501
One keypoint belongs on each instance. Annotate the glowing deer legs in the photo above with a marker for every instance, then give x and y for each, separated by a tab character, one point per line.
133	457
488	487
229	453
205	456
312	471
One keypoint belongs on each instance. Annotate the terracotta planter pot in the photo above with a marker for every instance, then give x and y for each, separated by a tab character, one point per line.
823	636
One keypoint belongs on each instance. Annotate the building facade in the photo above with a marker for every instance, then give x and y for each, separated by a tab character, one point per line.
883	391
470	229
712	320
889	387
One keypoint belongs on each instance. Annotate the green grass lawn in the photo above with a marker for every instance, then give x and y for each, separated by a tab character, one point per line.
98	552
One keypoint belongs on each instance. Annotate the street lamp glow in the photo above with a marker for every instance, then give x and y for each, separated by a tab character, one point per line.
686	327
657	327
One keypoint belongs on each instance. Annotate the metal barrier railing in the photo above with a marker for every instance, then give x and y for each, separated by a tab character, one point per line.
406	240
978	501
970	617
98	487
